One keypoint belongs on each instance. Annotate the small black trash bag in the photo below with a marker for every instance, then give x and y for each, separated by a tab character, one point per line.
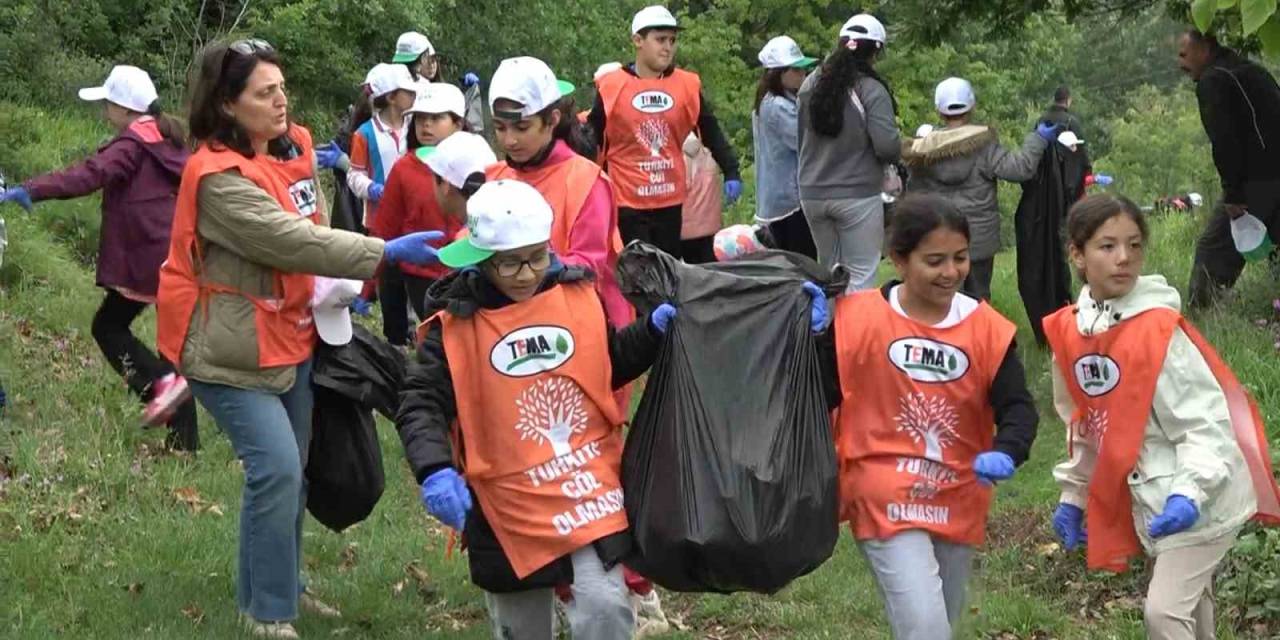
344	464
729	468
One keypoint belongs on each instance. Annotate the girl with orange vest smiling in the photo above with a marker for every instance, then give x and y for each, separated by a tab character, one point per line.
234	311
1167	451
933	409
509	422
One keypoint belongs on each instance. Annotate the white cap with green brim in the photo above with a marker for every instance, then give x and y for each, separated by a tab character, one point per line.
528	82
458	157
501	216
783	53
410	46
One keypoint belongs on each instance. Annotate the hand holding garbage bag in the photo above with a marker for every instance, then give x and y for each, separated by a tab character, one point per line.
662	316
446	496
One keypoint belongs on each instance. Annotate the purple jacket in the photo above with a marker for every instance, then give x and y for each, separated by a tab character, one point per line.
138	172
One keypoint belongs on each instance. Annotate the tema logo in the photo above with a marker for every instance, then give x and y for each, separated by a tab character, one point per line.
532	350
653	101
925	360
1096	374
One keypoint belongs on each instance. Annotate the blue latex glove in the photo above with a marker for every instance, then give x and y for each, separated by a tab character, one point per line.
375	191
732	190
445	495
662	316
413	248
361	307
992	466
1068	522
328	154
4	400
470	79
1049	131
1180	513
18	196
817	308
1102	179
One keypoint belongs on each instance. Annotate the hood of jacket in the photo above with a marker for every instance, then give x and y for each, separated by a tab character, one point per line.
945	144
1150	292
168	156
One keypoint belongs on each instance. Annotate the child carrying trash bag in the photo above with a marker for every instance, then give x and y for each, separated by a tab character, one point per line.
933	409
509	422
1167	453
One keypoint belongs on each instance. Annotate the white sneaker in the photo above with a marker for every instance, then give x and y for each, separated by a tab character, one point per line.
274	630
311	604
650	620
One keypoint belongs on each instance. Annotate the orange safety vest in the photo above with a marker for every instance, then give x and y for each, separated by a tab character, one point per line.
913	416
283	323
646	122
1112	379
537	435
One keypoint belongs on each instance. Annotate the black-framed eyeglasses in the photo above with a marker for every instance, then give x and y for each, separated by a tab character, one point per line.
509	268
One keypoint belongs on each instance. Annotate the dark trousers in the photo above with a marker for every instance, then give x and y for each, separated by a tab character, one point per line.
138	365
658	227
398	291
698	250
978	283
1217	264
792	234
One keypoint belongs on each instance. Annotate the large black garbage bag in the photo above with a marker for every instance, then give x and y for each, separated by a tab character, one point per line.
729	468
1043	279
344	462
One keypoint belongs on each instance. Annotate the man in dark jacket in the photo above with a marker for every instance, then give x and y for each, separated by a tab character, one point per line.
1240	108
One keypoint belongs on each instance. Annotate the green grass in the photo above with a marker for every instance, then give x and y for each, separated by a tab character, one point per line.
100	537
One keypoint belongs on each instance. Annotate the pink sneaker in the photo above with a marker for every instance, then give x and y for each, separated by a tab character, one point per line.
168	393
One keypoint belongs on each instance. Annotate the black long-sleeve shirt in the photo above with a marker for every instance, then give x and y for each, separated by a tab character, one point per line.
428	404
1015	410
1240	109
709	131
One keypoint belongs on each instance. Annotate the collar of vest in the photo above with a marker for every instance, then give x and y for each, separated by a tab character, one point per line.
537	159
631	69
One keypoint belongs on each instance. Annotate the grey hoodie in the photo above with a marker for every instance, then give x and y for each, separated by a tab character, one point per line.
962	165
850	165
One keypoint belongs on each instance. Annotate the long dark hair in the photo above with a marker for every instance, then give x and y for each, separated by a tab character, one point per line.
220	78
840	73
170	127
569	129
770	82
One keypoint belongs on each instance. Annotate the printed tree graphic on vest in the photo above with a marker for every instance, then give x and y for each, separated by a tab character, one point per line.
1092	425
552	410
928	418
654	134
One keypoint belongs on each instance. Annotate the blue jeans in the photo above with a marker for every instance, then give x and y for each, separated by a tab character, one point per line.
270	434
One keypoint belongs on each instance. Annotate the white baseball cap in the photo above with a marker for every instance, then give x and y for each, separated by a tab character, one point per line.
439	97
386	78
526	81
129	87
502	215
782	52
954	96
653	17
457	157
331	308
1069	139
411	45
864	26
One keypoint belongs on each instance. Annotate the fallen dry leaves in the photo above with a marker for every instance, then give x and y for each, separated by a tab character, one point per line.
191	497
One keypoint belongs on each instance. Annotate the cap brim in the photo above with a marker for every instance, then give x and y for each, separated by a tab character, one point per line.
805	63
424	152
462	253
333	325
93	94
406	57
566	88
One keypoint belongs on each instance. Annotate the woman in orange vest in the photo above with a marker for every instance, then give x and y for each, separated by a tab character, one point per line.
530	126
509	422
933	409
234	309
1185	462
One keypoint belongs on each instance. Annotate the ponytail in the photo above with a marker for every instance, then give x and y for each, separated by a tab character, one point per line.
570	130
170	127
840	73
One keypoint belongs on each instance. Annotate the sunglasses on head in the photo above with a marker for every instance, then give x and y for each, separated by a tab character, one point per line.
250	46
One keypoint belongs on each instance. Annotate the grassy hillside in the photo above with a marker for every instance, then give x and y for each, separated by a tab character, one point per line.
106	536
